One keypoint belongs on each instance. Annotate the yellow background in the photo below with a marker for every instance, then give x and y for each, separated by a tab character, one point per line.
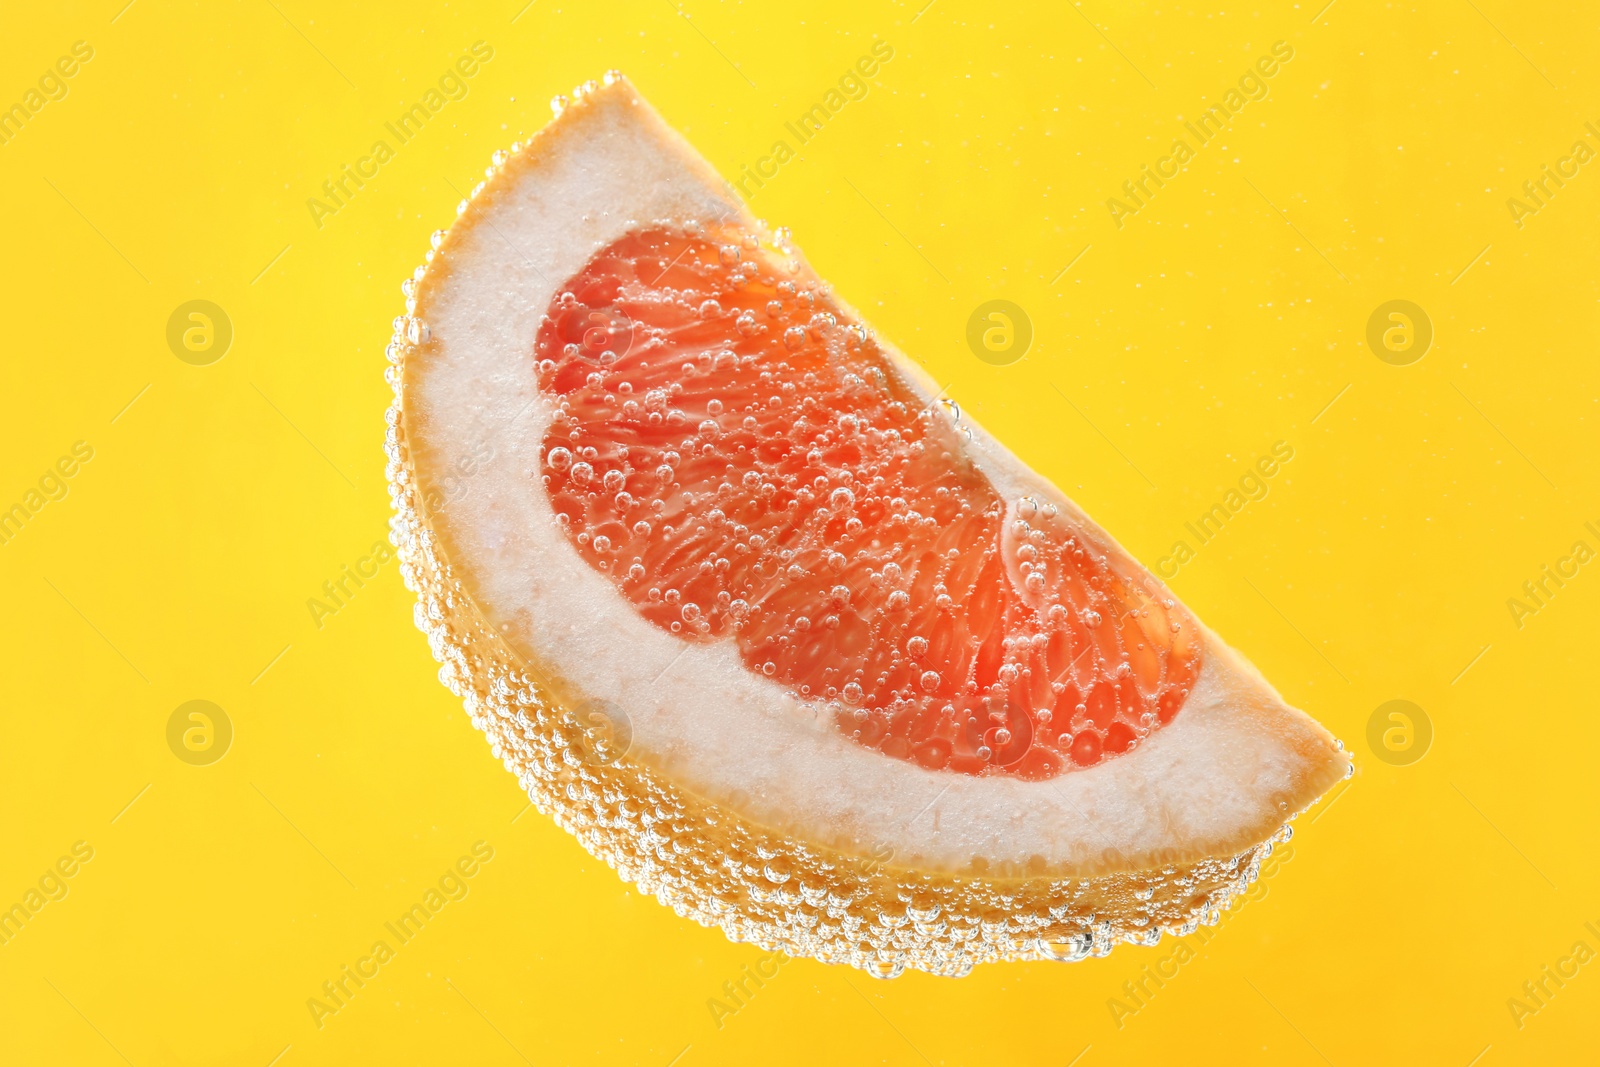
1226	315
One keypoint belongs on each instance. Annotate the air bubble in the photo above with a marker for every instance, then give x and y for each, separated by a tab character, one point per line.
885	969
1070	949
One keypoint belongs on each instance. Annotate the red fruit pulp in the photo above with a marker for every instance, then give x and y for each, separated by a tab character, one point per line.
742	462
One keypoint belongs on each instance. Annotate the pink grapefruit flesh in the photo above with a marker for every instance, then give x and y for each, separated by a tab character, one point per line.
734	453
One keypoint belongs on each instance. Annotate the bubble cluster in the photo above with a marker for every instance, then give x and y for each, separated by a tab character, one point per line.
743	463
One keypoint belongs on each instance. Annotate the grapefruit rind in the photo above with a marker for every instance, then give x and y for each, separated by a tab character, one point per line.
760	881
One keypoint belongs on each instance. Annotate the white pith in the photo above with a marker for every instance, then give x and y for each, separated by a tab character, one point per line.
1233	765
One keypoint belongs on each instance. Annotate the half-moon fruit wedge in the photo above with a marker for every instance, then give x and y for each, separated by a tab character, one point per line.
769	626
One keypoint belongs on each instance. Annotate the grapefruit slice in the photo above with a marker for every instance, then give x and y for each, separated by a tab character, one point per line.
770	628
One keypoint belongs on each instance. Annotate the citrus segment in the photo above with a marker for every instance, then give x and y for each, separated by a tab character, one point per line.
736	455
770	628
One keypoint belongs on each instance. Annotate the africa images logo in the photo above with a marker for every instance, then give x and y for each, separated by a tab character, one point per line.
52	86
853	84
338	191
1210	124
